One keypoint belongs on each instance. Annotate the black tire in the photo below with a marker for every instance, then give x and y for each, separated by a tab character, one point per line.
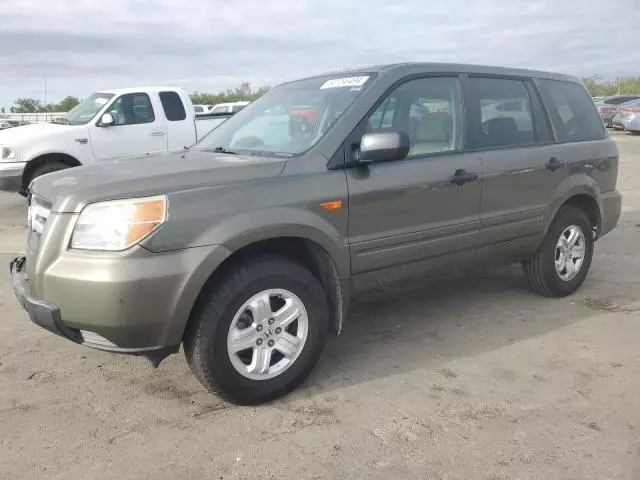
48	167
205	341
540	271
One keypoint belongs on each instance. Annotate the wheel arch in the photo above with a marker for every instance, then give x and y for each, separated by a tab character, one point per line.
301	249
580	192
44	158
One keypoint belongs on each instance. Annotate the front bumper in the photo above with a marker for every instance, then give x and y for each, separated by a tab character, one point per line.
41	312
138	304
11	176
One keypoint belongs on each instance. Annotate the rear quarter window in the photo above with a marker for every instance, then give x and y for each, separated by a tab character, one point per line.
173	107
573	114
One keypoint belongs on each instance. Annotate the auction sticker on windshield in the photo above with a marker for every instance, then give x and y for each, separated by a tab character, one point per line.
345	82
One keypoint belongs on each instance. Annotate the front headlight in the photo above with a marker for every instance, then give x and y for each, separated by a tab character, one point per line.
119	224
7	153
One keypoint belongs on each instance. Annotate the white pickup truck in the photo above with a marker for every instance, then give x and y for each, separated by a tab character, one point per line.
110	124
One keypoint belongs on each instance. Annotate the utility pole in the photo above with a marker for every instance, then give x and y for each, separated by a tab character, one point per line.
45	94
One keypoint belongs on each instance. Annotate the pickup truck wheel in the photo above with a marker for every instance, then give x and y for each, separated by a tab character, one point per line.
260	332
562	262
48	167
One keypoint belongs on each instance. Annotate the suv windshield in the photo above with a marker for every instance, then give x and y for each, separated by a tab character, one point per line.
289	119
87	109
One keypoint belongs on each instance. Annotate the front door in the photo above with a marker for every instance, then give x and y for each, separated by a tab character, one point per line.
423	209
138	129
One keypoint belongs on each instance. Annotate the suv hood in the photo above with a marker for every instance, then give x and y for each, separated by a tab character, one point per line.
17	136
70	190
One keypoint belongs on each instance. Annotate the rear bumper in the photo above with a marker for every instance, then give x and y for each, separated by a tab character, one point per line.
611	206
11	176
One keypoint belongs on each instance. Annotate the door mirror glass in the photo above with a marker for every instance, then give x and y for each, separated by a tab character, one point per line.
384	146
107	120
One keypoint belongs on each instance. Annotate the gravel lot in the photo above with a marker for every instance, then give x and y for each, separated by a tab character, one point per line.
471	378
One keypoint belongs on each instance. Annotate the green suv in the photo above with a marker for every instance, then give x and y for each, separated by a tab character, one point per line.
247	247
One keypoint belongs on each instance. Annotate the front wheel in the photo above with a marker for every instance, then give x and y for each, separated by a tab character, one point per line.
561	264
48	167
260	332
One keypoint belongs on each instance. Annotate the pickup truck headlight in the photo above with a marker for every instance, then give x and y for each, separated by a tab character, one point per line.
119	224
7	153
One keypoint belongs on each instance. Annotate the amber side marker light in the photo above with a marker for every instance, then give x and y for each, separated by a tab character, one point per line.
333	205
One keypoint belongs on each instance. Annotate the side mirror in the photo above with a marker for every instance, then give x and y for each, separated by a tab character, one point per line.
384	146
107	120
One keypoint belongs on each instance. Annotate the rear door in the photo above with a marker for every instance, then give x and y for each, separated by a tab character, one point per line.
410	211
138	130
510	130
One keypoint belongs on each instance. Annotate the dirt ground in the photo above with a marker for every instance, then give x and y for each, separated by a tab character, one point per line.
471	378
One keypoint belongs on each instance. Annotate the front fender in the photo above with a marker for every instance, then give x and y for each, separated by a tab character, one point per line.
242	229
62	143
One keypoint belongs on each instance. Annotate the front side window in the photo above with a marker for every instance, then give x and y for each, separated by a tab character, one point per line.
289	119
573	114
500	113
132	109
427	110
84	112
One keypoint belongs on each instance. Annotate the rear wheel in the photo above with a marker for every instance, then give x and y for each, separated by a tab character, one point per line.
260	332
563	261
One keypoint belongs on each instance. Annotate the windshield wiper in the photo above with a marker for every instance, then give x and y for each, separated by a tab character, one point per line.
223	150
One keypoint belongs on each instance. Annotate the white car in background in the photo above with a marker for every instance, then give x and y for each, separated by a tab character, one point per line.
228	107
112	124
198	109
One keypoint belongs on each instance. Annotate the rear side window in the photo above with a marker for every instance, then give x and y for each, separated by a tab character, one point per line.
173	107
500	113
618	100
573	114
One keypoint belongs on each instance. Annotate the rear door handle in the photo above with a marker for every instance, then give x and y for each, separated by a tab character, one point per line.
554	164
157	134
461	176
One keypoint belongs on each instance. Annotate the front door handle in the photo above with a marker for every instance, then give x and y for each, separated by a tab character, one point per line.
157	134
461	176
554	164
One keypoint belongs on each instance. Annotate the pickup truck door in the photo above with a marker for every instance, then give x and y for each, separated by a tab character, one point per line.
423	210
139	129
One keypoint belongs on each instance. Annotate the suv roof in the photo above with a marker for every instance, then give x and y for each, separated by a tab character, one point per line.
412	67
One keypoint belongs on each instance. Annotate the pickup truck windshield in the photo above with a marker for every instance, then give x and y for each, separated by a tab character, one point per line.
289	119
87	109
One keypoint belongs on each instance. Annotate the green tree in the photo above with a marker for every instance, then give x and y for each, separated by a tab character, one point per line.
242	92
28	105
65	104
622	85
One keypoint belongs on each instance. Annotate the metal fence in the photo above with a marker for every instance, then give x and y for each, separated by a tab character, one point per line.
34	117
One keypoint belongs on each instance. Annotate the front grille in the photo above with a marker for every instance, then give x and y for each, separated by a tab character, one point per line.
37	215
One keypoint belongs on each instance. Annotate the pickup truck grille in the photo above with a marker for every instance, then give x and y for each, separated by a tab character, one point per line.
37	214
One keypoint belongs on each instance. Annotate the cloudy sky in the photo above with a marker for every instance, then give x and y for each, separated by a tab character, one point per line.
84	45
